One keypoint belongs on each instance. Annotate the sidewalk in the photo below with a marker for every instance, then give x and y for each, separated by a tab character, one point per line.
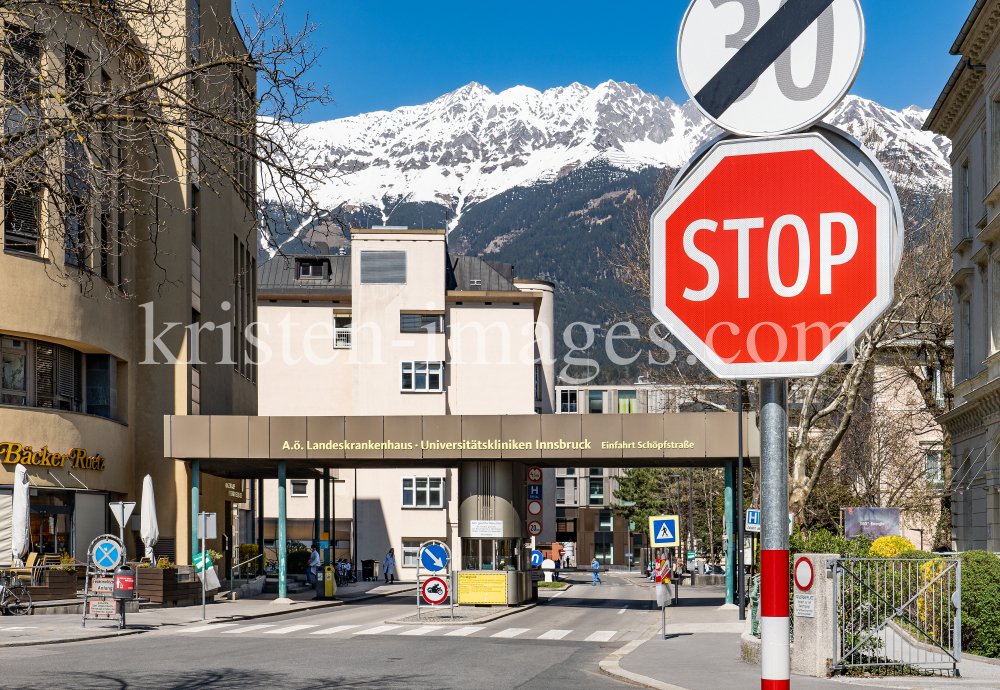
702	651
59	628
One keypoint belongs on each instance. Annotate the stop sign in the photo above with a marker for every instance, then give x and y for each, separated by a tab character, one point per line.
771	257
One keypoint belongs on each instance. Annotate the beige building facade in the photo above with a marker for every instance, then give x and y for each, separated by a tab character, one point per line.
88	378
968	113
397	327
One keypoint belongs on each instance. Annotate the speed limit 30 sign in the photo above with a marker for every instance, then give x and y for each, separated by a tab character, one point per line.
765	67
771	257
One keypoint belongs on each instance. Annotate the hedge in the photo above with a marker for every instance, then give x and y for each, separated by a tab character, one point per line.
981	603
298	561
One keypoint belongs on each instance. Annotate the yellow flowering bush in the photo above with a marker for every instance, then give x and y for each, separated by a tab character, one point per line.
889	547
934	604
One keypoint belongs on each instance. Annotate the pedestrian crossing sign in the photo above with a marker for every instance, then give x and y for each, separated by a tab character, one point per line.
663	530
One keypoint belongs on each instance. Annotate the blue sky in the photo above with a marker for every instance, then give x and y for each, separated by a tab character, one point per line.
384	54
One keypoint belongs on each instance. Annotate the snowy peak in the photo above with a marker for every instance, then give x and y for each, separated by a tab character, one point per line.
471	144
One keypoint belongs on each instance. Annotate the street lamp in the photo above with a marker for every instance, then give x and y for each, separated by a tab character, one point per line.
677	550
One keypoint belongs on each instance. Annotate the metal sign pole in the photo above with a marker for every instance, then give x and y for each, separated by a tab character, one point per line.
740	517
202	527
774	610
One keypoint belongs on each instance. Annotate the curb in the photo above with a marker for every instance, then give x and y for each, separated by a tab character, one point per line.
66	640
610	666
475	621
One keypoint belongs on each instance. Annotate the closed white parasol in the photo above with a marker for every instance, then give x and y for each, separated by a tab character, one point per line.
148	529
21	519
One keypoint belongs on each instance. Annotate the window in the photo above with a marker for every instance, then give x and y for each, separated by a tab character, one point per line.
342	330
538	382
411	549
966	316
423	492
935	468
383	268
102	388
604	523
310	269
13	373
604	547
20	84
596	492
21	219
966	225
195	29
627	402
567	401
300	487
596	471
414	323
560	491
596	402
195	207
570	470
422	377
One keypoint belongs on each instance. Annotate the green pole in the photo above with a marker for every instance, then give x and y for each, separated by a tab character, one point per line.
282	546
195	491
326	515
730	545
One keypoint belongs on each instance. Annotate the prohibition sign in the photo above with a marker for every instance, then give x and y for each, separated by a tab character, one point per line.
106	554
767	67
434	590
534	528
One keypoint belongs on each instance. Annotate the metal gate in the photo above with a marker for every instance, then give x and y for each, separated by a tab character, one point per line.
897	612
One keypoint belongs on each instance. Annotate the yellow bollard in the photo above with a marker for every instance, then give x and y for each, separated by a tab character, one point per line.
330	581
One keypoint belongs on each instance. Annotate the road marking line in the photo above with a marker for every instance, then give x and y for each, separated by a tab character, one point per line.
290	628
601	636
423	630
510	632
203	628
247	628
376	630
462	632
554	634
623	609
330	631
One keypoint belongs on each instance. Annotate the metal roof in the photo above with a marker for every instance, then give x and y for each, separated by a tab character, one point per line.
476	273
278	276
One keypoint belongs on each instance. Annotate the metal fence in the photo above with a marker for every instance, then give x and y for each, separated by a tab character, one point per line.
897	612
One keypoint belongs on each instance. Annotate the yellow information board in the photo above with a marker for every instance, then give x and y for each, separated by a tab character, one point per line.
482	588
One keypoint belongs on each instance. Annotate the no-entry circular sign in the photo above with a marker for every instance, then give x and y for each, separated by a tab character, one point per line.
771	257
803	574
434	590
763	67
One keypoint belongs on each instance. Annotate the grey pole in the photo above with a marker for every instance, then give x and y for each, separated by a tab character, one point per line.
775	652
741	520
282	545
677	549
204	567
690	512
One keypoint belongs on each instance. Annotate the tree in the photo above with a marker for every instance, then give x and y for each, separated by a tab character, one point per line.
111	108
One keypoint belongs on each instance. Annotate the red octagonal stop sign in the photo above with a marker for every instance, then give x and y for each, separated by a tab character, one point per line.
771	257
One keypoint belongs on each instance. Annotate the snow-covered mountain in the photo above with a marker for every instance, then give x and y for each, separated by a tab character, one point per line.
472	144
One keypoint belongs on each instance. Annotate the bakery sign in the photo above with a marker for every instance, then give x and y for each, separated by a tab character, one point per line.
77	458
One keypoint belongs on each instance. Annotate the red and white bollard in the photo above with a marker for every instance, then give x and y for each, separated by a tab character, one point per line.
775	652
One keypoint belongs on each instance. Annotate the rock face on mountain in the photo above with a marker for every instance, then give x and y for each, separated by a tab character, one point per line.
472	144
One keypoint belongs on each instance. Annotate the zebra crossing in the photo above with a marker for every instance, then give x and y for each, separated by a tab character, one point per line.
424	631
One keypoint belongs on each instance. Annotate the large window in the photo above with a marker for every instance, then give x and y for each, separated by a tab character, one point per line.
411	550
604	547
604	523
560	491
596	492
627	402
935	468
422	377
596	402
34	373
383	268
423	492
567	401
415	323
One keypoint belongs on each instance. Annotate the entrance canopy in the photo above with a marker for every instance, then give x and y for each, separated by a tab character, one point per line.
242	447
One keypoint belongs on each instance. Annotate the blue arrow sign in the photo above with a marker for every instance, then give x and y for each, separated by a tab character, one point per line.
536	558
664	530
534	492
434	558
106	555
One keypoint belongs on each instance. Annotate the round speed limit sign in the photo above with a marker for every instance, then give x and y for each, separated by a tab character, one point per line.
768	67
534	528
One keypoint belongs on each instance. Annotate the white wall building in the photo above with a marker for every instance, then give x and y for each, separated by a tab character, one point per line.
397	327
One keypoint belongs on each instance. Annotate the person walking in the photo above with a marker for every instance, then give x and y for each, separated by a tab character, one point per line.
389	566
597	575
313	570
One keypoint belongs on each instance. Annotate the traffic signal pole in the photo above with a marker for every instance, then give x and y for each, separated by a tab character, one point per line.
775	656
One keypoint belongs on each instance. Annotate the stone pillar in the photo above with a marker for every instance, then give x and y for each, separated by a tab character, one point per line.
813	648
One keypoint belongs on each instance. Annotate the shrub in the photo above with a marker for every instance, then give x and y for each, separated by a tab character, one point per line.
164	563
915	553
68	563
823	541
248	551
216	557
981	603
890	546
297	561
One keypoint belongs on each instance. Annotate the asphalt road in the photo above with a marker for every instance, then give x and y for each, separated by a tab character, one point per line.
555	645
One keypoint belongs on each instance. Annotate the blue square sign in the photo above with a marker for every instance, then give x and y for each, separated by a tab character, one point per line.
664	530
534	492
